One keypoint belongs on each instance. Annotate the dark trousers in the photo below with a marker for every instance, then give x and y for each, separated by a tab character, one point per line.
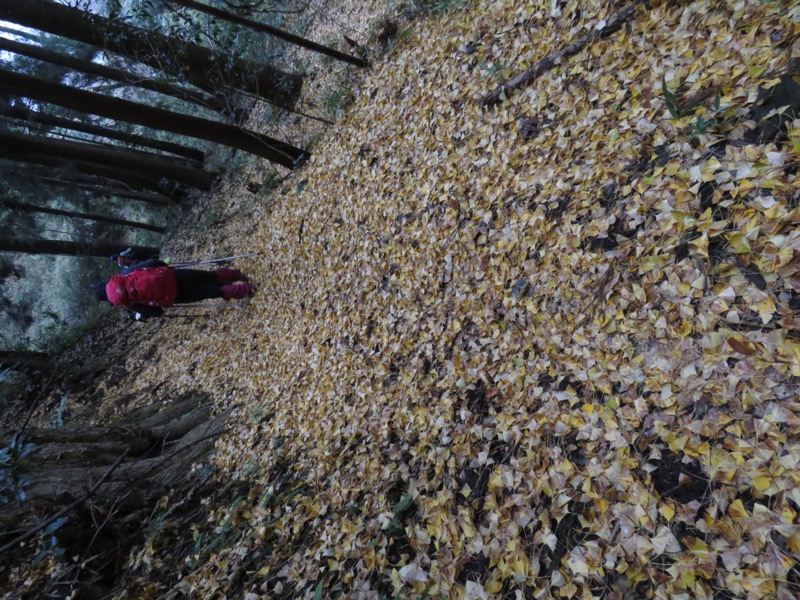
195	285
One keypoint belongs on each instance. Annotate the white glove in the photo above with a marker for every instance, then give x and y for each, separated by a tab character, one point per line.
138	316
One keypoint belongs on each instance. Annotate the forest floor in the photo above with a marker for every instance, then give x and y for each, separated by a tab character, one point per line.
546	348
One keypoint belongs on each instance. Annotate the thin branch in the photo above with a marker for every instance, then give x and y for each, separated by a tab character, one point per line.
274	31
497	95
89	493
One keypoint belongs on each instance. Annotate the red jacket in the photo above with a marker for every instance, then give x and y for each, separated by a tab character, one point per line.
148	287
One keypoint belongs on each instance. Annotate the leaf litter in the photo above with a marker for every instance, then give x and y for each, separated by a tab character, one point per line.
491	359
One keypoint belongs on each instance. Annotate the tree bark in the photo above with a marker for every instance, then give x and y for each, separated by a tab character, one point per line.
80	215
136	180
125	468
183	60
108	191
32	116
274	31
99	249
114	108
92	68
38	361
17	142
23	34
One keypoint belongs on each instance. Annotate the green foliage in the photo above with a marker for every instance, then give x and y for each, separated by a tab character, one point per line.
271	181
415	8
206	544
336	102
400	512
13	464
699	127
11	383
703	123
66	336
670	99
494	71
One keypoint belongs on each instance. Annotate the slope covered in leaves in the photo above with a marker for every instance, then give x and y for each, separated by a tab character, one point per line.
545	349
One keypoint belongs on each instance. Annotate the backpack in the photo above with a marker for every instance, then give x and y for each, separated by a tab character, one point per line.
150	287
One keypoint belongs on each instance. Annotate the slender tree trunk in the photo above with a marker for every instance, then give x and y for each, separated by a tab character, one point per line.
23	34
176	160
113	108
108	191
31	116
92	68
53	171
183	60
122	175
17	142
66	248
16	360
274	31
80	215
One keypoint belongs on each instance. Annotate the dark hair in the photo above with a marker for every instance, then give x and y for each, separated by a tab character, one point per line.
99	290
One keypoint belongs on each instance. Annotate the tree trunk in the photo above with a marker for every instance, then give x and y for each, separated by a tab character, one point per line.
80	215
108	191
181	59
36	361
23	34
99	249
17	142
91	488
274	31
136	180
32	116
67	137
92	68
113	108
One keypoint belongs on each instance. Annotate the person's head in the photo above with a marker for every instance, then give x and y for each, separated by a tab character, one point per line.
99	290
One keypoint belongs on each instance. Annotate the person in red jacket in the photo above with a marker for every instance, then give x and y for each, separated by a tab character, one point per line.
152	285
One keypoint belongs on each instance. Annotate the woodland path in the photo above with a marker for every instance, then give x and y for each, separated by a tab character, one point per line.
546	348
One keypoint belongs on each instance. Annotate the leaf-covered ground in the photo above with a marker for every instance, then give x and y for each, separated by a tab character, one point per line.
546	349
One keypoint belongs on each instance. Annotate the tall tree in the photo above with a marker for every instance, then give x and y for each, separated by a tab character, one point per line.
213	102
80	215
137	180
114	108
19	33
183	60
268	29
67	248
18	142
22	360
32	116
106	190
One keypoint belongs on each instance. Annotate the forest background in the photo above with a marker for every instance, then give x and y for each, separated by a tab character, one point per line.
526	328
47	197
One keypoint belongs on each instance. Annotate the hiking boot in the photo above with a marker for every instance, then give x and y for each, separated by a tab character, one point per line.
226	275
237	291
